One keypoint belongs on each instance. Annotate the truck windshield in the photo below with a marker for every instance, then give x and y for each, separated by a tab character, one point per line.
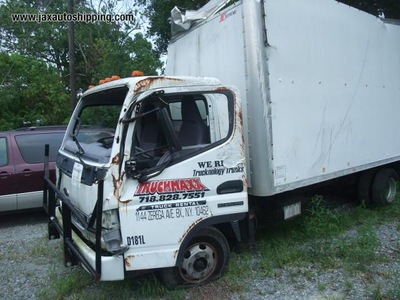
93	125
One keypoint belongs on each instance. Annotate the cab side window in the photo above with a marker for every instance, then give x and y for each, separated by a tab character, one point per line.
3	152
180	124
174	127
200	120
193	130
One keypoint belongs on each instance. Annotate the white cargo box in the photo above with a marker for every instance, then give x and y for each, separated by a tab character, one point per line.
320	83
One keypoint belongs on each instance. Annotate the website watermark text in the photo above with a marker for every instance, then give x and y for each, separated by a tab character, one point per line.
76	18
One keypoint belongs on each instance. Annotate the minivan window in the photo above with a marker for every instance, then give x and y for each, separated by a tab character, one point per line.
3	152
32	146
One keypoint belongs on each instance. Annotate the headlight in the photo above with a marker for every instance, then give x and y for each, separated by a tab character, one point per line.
110	219
111	233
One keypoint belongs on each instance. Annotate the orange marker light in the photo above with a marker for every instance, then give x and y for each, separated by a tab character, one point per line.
137	73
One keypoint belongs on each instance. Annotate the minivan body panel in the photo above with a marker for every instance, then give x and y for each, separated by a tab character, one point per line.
8	178
21	166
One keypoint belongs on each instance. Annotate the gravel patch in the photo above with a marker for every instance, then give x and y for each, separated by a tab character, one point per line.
25	261
28	261
375	281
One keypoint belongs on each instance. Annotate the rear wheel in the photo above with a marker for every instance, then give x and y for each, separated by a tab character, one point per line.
384	187
365	186
204	260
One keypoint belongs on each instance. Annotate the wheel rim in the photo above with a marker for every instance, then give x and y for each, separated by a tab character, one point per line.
199	263
391	190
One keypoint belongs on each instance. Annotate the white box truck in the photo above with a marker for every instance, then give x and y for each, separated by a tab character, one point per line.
319	83
317	98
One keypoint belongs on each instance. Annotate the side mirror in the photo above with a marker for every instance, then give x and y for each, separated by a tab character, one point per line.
130	169
140	170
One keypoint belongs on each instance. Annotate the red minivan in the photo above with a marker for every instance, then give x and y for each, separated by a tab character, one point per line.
21	165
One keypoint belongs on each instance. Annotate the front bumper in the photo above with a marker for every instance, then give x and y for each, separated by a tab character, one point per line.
76	250
112	266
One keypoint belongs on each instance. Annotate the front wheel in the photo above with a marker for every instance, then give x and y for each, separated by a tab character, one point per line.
204	260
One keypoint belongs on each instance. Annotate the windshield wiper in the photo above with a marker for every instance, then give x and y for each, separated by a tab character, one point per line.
74	136
81	151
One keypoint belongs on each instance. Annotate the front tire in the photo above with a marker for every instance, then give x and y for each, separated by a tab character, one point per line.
204	260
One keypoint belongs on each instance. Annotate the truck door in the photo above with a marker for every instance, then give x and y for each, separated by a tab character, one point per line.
186	172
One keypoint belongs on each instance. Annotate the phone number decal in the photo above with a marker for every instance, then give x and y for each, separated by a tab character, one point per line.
169	197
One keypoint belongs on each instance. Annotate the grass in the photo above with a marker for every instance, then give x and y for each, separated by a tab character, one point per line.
379	294
241	266
327	239
323	239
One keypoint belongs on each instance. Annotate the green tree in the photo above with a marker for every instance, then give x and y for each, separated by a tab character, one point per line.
102	48
34	76
103	57
31	93
45	41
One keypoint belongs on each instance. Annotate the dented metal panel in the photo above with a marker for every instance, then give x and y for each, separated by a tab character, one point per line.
182	19
151	82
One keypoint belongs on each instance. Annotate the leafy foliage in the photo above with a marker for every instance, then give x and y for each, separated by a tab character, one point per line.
31	93
102	50
45	41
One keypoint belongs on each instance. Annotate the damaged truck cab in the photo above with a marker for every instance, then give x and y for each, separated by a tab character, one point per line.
140	196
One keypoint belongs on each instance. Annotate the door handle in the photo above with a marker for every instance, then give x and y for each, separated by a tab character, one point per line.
4	175
27	172
232	186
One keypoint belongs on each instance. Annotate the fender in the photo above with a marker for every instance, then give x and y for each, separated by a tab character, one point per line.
232	220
